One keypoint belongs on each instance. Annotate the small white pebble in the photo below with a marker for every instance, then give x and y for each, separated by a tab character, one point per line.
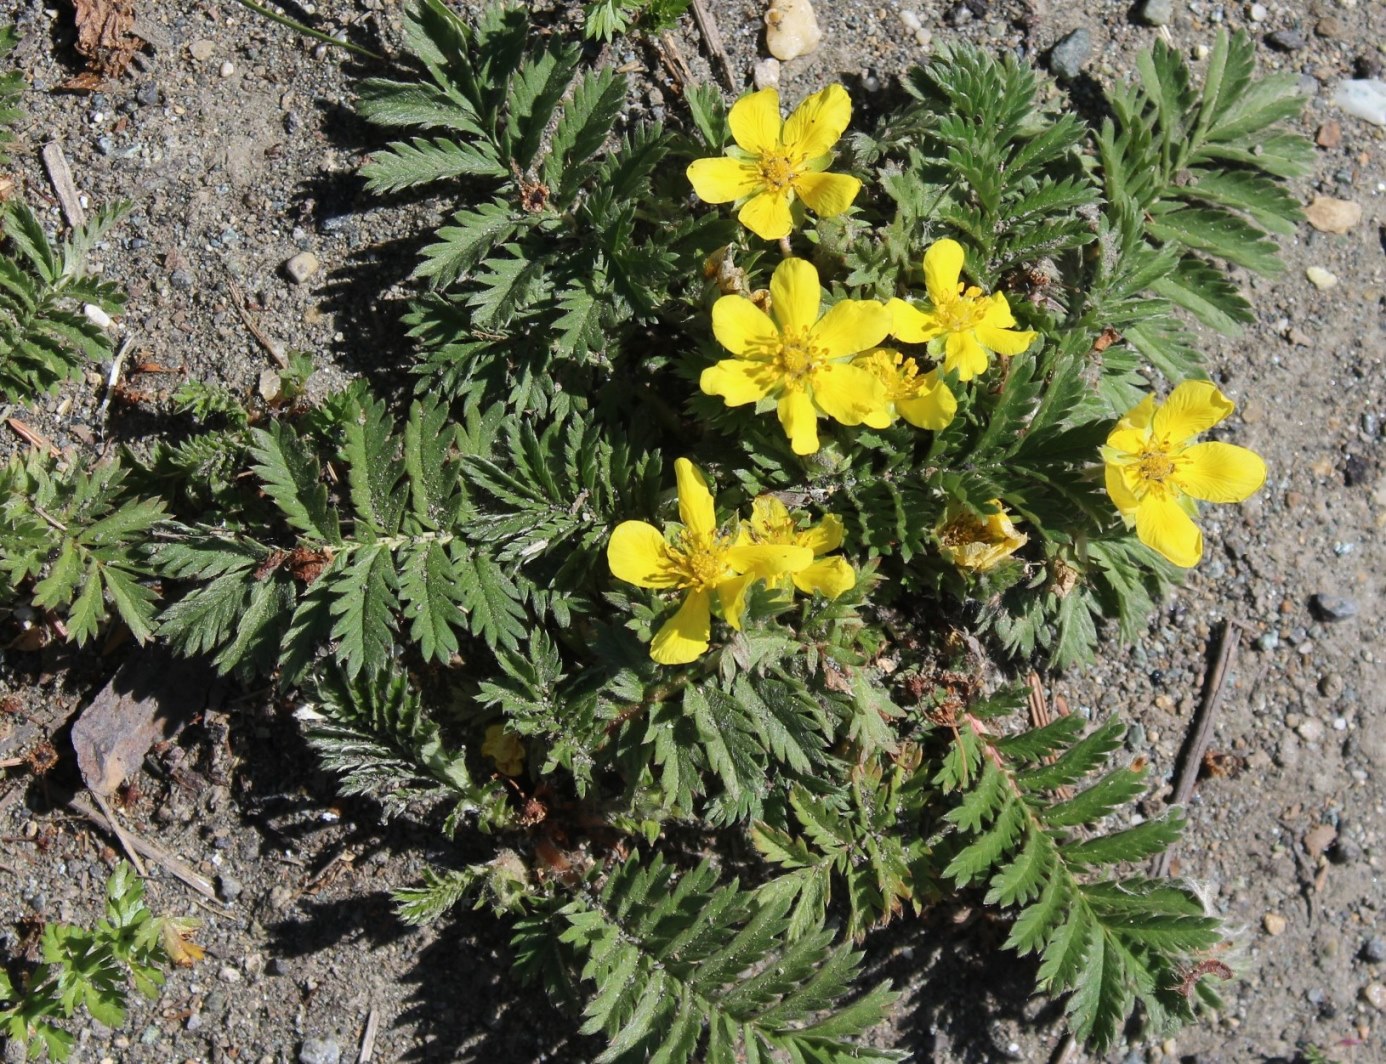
227	69
1259	13
97	316
923	38
911	21
1340	724
1320	278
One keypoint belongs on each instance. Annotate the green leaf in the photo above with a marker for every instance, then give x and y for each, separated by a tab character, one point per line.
293	479
364	606
421	161
432	602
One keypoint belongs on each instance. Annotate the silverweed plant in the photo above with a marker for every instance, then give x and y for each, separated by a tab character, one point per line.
737	444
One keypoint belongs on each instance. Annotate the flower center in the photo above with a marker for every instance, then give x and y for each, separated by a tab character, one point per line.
776	172
700	562
1155	466
962	312
797	356
965	529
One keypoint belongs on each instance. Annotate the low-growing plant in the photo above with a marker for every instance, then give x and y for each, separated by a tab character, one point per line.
93	969
705	519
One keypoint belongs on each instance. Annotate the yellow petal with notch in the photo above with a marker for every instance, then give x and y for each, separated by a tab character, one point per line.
723	179
755	121
1164	527
1219	472
638	555
1193	407
684	636
695	500
818	122
943	264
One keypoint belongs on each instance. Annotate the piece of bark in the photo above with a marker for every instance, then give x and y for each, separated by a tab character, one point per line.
105	39
149	699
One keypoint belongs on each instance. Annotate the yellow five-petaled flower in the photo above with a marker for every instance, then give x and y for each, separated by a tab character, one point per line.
799	358
922	399
828	575
698	560
774	163
978	543
1155	471
961	324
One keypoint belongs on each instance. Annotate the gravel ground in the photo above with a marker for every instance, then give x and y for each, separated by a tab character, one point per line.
236	143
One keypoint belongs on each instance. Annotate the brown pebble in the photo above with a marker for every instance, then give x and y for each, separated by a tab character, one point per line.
1328	26
1274	924
1330	215
1374	994
1330	135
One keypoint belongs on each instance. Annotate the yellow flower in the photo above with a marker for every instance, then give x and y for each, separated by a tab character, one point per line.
798	357
771	522
774	162
962	324
921	399
977	543
504	749
698	561
1155	471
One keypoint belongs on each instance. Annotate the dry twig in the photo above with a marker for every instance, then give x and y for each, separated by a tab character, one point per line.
712	37
271	348
60	174
368	1039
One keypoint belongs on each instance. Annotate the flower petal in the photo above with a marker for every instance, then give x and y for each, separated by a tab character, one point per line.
818	122
765	560
910	324
934	407
767	215
964	355
1117	490
638	555
795	295
723	179
742	327
684	635
828	577
996	311
1191	408
1220	472
1164	527
943	264
1004	341
828	194
824	536
847	394
800	422
1139	416
769	519
850	326
732	595
738	381
695	500
755	121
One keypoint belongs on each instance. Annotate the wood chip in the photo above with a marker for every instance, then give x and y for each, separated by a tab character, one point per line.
105	39
32	436
60	174
712	37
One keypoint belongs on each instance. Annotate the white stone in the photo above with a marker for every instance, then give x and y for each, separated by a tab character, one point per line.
1364	98
911	21
1320	278
227	69
791	29
302	266
767	74
97	316
1259	13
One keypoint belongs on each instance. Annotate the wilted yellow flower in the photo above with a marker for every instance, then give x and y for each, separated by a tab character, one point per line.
1155	471
961	325
504	749
799	358
697	560
922	399
978	543
775	162
771	522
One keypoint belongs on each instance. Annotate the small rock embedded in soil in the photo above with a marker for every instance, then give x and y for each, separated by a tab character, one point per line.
1344	852
1333	608
181	278
1274	924
1374	994
767	74
201	50
302	266
147	95
229	887
227	69
1068	57
791	29
1330	135
1157	12
1286	40
1320	278
1330	215
1364	98
1374	950
320	1051
1258	13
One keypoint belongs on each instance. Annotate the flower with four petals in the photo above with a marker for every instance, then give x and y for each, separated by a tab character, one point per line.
775	163
1155	470
771	522
798	358
960	325
698	560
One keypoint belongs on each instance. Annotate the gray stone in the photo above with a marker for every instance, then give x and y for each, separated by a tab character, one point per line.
147	95
302	266
1344	852
1067	58
1374	950
181	278
1157	12
1333	608
229	887
1286	40
320	1051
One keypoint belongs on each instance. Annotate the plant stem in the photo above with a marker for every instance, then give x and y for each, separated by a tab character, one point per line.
307	31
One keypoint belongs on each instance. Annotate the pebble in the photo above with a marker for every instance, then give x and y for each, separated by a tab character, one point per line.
1374	994
1258	13
1286	40
96	316
227	69
791	29
1328	26
1311	731
181	278
1269	641
1157	12
1320	278
302	266
767	73
1068	57
1330	135
147	95
320	1051
1330	215
911	21
1333	608
924	38
1374	950
201	50
1274	924
1330	685
1364	98
229	887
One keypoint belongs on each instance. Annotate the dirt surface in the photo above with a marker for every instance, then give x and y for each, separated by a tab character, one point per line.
236	143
